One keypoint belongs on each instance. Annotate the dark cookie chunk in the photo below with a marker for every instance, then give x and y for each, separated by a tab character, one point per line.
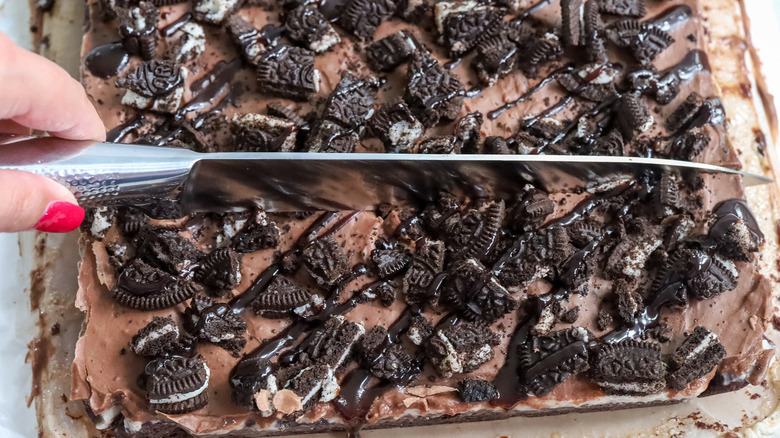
629	257
247	39
463	29
666	195
476	390
684	114
678	229
650	43
391	51
536	257
710	275
609	144
288	72
394	364
468	132
280	298
623	32
582	233
688	145
247	378
311	385
170	251
629	300
633	116
138	29
177	385
216	323
666	88
152	79
476	235
220	269
736	231
259	133
461	348
496	57
372	345
156	338
626	8
594	33
572	26
256	236
475	292
699	354
332	137
570	316
363	17
214	11
420	329
532	210
496	145
428	262
144	287
97	221
325	261
332	344
279	109
131	221
629	368
307	25
593	82
432	92
352	102
547	360
439	144
440	216
539	51
396	126
385	292
390	261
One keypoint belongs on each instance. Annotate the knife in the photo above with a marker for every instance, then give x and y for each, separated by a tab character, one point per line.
174	182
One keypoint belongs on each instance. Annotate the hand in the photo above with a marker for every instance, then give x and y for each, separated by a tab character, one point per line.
37	94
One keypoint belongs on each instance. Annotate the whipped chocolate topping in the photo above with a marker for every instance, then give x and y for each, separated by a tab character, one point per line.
389	300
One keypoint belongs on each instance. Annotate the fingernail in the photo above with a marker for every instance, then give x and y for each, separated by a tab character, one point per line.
60	217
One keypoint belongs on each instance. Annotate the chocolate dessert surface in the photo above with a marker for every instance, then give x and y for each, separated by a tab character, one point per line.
631	292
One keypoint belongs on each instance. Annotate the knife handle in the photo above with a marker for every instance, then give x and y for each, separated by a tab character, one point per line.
106	174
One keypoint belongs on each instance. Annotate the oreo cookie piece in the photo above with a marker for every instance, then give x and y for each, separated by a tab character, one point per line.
216	323
390	261
609	144
97	221
288	72
538	51
496	145
462	28
281	298
214	11
256	236
629	257
154	85
385	360
629	368
666	195
532	210
475	292
248	40
571	12
331	137
363	17
138	29
152	79
699	354
594	82
685	113
736	231
439	144
623	32
260	133
427	263
157	338
352	102
650	42
688	145
633	116
306	24
496	57
477	238
170	251
625	8
420	329
250	375
629	300
325	261
710	275
432	92
462	348
131	221
391	51
144	287
468	131
396	126
177	385
476	390
220	269
190	44
547	360
593	37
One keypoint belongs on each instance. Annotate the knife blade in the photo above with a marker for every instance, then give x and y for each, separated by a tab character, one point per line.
173	182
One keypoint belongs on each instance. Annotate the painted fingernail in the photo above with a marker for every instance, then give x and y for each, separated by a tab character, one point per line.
60	217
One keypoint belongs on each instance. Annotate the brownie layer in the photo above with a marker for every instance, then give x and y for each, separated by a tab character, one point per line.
741	339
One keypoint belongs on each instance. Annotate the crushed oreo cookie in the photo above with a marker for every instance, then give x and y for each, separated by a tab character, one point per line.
145	287
283	297
156	338
396	126
260	133
216	323
138	29
307	25
169	251
220	269
325	261
547	360
476	390
363	17
152	79
177	385
699	354
432	92
288	72
629	368
475	292
461	348
389	52
427	263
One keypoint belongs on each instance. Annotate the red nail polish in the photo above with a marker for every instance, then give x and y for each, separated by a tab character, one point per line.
60	217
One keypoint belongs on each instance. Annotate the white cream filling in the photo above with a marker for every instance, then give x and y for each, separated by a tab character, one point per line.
153	336
105	418
446	8
176	398
100	222
215	10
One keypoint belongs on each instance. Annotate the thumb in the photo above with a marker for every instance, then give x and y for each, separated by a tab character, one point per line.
29	201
